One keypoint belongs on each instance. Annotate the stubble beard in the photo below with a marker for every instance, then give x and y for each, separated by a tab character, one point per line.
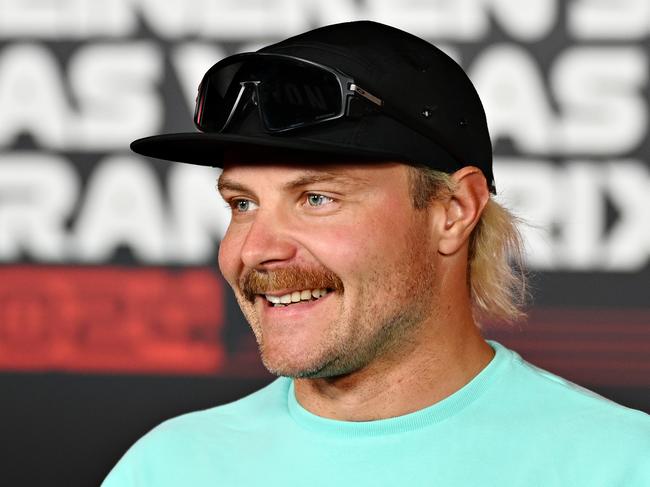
389	339
356	339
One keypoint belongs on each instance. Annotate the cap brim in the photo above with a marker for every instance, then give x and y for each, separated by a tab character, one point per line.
208	149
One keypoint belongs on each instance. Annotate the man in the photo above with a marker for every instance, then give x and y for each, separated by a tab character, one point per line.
364	249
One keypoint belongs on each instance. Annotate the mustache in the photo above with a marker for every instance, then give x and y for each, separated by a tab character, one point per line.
256	282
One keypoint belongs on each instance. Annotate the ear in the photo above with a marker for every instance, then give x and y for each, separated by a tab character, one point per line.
463	209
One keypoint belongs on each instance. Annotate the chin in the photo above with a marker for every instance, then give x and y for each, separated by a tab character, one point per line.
305	367
285	368
295	367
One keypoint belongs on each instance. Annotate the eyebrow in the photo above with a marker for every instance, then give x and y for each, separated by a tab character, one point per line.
225	184
310	177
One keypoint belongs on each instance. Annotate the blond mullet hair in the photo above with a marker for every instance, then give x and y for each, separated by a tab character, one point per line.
495	273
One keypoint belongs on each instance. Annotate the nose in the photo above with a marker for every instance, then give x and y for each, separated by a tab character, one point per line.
267	242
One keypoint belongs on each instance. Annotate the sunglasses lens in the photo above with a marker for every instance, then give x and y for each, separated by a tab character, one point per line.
292	93
298	94
218	93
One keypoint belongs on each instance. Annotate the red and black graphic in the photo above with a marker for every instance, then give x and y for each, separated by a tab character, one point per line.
111	319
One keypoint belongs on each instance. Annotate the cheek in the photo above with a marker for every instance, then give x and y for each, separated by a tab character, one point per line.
358	249
343	242
229	261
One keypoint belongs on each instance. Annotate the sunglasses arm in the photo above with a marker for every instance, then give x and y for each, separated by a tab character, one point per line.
393	112
418	125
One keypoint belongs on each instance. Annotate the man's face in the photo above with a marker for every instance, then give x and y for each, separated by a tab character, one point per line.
350	230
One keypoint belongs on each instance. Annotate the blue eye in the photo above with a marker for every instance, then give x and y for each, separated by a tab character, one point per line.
242	206
318	199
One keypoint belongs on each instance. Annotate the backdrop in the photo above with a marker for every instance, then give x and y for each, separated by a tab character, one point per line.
113	315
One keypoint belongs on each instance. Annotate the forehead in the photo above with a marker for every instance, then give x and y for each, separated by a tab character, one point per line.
298	172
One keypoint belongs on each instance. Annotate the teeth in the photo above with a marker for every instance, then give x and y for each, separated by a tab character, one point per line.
296	296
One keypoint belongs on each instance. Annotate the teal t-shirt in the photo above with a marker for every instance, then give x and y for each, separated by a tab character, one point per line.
513	424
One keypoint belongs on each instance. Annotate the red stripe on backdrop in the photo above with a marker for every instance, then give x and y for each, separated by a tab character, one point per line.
597	347
110	319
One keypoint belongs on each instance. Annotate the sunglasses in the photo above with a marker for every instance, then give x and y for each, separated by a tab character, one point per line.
288	92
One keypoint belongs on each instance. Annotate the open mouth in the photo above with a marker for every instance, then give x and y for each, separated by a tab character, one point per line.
294	297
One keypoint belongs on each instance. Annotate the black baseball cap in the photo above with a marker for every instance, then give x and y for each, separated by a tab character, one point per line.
403	70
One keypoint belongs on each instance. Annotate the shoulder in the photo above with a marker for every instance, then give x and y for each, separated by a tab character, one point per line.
248	412
560	397
534	389
573	419
191	442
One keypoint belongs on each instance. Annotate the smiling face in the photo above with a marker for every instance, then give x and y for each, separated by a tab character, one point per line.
331	264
